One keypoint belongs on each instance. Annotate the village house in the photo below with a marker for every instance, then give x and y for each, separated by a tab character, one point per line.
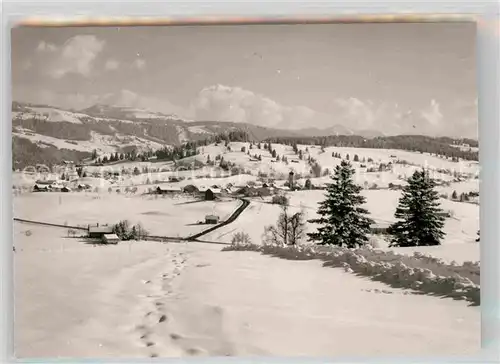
209	195
97	232
110	239
168	190
379	228
211	219
45	182
56	187
263	191
41	188
393	186
246	191
82	187
445	214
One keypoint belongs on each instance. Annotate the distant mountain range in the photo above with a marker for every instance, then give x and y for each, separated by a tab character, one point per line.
107	111
184	129
47	131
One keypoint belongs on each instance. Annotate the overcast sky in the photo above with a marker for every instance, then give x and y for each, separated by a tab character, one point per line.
390	77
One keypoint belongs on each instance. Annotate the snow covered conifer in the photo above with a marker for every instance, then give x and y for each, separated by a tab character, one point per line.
420	222
343	222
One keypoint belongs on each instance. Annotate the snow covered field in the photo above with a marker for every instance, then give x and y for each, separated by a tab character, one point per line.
103	144
188	300
159	216
458	245
187	296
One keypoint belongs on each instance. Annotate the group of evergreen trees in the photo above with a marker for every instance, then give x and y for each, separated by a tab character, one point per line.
128	156
463	197
177	152
344	222
443	146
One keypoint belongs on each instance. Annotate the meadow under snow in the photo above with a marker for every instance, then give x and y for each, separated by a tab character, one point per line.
74	299
293	296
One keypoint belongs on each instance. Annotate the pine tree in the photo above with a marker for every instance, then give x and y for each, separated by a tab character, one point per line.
420	223
343	221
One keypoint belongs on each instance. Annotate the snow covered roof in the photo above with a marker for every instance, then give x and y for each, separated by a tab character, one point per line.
45	182
169	188
101	229
41	186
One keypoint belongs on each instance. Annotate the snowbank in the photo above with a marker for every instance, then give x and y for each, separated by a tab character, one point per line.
420	272
74	300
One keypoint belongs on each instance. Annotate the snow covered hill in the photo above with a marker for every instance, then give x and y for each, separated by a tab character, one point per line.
110	129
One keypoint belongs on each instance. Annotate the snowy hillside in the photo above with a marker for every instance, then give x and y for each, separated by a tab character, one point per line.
390	277
103	144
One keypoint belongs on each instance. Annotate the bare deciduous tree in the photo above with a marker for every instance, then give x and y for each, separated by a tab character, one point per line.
241	238
289	229
297	229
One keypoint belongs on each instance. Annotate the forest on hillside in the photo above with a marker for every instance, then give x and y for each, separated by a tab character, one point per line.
25	153
414	143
